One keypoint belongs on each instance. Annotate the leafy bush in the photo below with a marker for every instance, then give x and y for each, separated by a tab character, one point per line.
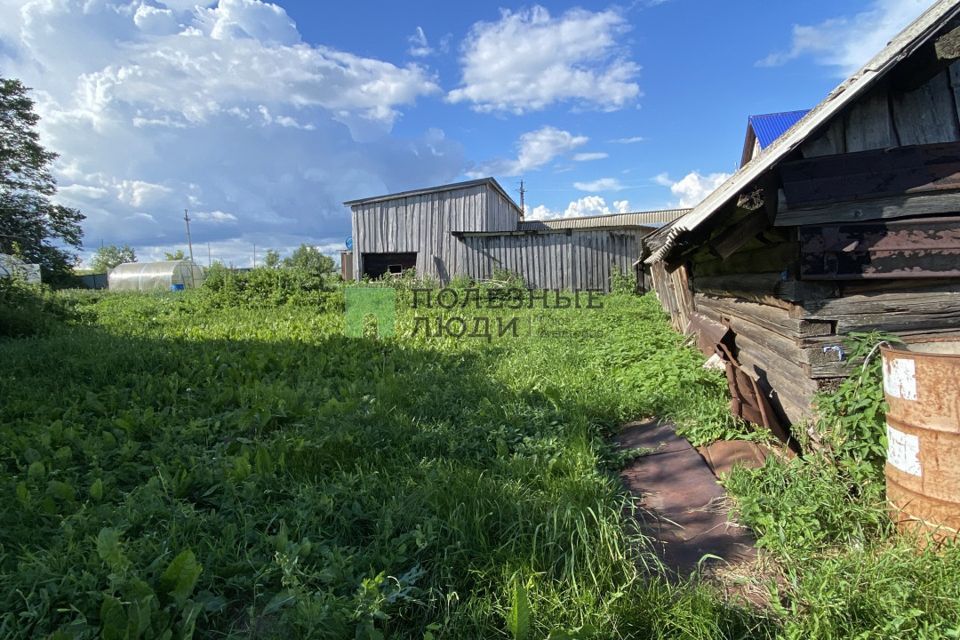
27	309
506	279
800	508
834	495
851	423
622	282
265	287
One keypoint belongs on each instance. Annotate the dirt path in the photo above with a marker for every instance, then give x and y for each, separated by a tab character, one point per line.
682	507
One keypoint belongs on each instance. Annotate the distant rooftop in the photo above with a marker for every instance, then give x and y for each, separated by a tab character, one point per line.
634	219
770	126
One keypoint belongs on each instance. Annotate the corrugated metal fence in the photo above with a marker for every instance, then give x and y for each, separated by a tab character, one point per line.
575	260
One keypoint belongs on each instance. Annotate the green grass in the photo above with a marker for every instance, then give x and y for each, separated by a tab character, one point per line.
204	465
289	480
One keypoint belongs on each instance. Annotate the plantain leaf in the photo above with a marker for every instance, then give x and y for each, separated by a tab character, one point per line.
108	548
518	619
180	576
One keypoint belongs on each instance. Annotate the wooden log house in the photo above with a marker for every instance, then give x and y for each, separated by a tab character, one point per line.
848	222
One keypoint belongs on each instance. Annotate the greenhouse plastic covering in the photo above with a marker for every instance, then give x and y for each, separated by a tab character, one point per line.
155	276
13	267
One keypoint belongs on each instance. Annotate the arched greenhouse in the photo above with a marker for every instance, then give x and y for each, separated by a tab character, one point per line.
155	276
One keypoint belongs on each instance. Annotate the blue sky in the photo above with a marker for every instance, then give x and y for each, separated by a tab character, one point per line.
262	118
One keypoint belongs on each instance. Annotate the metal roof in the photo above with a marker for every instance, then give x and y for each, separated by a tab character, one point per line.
770	126
905	43
634	219
444	187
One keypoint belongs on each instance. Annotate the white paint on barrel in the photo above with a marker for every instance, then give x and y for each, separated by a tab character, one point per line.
900	378
903	451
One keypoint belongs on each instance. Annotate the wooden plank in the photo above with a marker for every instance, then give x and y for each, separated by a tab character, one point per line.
826	357
811	358
868	124
869	175
766	288
954	74
791	389
900	249
926	114
684	296
831	141
947	46
924	310
863	287
775	258
905	206
736	235
773	318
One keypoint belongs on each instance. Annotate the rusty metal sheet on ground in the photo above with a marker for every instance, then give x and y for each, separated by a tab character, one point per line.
684	510
723	455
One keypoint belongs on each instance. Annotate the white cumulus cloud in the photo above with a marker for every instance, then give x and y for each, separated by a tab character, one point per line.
218	217
692	188
419	45
219	107
601	184
534	150
586	206
848	42
588	156
529	60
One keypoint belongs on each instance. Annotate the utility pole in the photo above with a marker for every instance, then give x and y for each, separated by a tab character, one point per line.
523	210
209	261
186	219
254	255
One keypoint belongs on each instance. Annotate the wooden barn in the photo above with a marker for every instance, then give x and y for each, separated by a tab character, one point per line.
847	222
415	229
474	229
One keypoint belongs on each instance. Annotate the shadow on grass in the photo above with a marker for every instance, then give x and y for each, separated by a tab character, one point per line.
329	486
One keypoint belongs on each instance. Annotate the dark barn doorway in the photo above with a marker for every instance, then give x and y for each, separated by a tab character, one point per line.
376	265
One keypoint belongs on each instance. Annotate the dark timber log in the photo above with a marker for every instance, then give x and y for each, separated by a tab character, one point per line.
768	288
871	174
736	235
905	206
928	248
776	319
932	309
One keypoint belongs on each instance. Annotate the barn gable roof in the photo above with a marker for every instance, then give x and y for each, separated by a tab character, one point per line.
491	182
853	88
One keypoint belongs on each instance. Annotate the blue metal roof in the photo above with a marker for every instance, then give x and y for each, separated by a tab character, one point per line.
770	126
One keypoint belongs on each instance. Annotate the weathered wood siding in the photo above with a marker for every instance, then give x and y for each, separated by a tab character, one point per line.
895	117
673	292
847	242
580	260
425	224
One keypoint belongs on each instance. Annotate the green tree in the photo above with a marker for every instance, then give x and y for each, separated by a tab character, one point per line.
111	255
271	259
309	259
31	224
174	255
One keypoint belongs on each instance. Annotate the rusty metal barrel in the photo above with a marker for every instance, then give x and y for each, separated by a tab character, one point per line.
921	382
